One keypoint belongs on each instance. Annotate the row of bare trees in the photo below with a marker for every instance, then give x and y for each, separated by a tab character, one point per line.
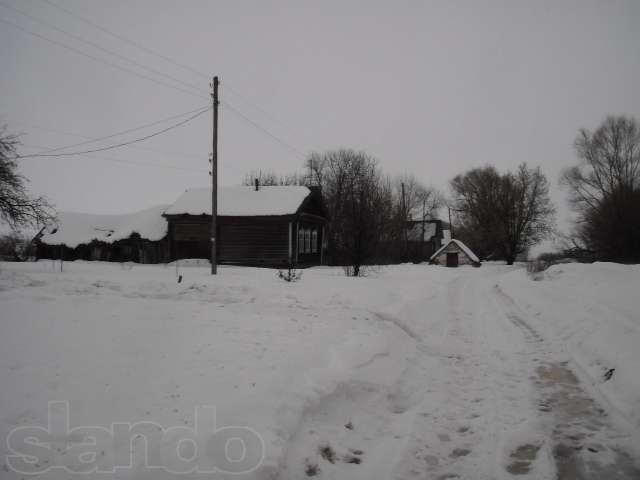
498	214
368	210
501	215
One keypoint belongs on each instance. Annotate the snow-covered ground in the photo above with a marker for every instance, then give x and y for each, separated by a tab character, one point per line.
592	314
412	372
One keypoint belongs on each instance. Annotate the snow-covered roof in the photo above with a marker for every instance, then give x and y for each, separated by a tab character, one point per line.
241	201
462	247
77	228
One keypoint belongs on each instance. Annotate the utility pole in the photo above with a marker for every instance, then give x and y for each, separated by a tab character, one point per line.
214	177
424	219
404	224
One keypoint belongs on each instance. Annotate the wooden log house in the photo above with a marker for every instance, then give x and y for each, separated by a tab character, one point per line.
270	226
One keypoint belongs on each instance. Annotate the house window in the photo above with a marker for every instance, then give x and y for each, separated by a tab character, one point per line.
300	240
314	241
307	240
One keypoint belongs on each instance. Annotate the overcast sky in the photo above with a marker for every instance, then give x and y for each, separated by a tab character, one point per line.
432	88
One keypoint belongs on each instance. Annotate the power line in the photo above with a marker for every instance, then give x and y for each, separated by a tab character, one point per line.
264	130
117	160
244	99
98	59
90	139
43	149
119	67
130	130
126	40
101	48
150	51
111	147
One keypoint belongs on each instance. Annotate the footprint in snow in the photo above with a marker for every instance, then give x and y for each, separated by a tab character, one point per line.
521	459
352	459
459	452
431	460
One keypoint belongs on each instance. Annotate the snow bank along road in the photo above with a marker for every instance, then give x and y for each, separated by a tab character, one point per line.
412	372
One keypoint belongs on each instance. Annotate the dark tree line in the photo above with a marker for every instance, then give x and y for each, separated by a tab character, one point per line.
367	210
502	215
604	190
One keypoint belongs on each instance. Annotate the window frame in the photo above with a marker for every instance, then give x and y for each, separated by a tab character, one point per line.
307	240
300	240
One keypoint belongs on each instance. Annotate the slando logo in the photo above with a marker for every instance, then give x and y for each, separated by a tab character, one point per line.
205	448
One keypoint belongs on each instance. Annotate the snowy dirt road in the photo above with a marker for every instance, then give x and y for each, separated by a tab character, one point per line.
412	372
485	396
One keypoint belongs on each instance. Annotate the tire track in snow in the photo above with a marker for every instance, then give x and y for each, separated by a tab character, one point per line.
395	321
416	426
359	428
456	429
585	443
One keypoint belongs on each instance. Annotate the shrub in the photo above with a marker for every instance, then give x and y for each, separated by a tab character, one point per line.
290	274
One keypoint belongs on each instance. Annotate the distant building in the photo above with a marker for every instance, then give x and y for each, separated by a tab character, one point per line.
454	253
424	237
134	237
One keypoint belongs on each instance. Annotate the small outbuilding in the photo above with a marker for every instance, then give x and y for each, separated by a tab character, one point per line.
454	253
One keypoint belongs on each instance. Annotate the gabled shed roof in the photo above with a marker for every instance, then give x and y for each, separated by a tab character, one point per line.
462	247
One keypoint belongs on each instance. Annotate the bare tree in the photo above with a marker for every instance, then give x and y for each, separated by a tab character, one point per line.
604	189
17	208
474	203
358	203
527	212
411	201
504	214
